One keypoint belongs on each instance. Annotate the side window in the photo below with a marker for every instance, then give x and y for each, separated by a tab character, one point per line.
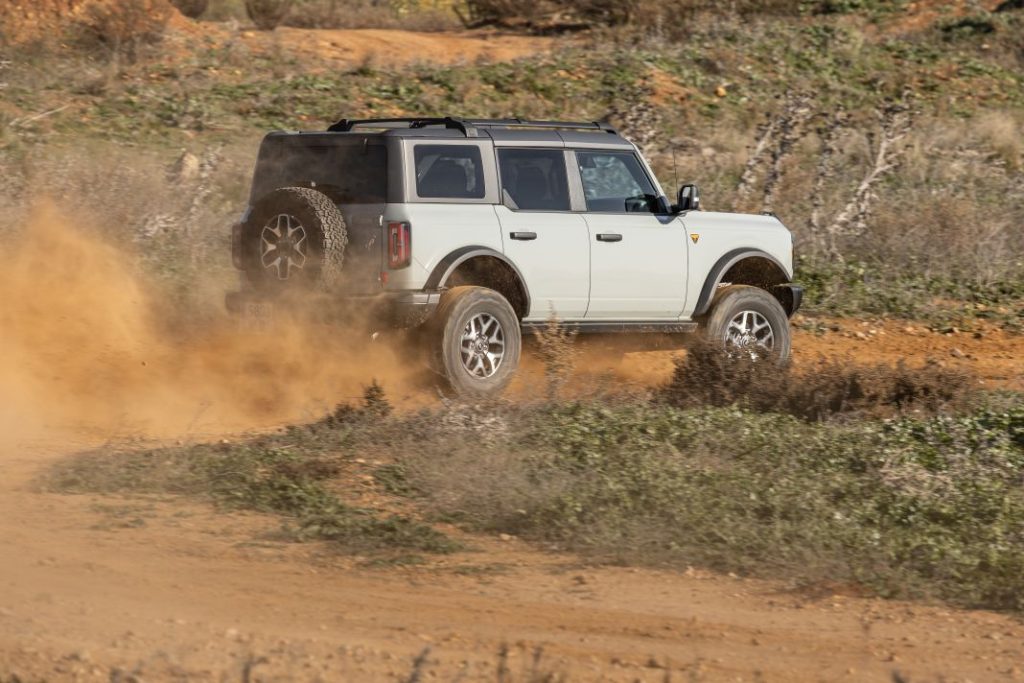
449	171
534	179
615	182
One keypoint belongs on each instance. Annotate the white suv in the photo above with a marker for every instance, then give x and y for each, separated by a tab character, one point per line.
475	230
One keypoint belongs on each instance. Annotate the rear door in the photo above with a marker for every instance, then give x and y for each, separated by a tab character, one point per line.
546	241
637	253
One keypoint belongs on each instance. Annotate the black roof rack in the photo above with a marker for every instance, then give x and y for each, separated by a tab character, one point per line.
467	126
345	125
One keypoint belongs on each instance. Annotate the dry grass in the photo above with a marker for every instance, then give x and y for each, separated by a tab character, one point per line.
558	353
706	376
1003	133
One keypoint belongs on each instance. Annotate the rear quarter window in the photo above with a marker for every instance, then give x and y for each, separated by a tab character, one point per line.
449	172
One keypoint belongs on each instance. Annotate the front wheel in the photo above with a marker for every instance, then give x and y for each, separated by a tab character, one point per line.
749	320
477	341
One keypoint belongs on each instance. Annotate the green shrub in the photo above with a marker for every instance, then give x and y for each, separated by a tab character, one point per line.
267	14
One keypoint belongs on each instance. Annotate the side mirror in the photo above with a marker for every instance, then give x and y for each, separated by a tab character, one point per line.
689	198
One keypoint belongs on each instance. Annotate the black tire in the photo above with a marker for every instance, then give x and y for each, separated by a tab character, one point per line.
311	257
471	371
749	307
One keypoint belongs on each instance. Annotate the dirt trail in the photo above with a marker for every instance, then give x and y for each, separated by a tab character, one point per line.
993	355
178	593
382	47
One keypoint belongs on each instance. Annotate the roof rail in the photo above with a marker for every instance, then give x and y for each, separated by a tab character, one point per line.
468	126
526	123
345	125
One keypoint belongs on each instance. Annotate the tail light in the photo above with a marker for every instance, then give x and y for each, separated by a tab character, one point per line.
399	244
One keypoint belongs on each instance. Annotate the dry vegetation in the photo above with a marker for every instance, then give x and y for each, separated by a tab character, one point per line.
831	387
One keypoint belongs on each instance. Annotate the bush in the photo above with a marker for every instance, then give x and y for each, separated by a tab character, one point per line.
121	27
645	14
708	377
191	8
267	14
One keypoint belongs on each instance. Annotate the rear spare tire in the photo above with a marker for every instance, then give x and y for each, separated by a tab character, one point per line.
294	238
747	319
477	341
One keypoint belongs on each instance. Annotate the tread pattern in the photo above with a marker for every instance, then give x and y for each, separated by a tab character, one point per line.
727	301
444	335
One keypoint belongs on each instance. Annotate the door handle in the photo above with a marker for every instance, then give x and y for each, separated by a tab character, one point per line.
525	236
609	237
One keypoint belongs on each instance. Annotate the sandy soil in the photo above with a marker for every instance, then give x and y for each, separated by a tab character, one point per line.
173	590
994	356
380	47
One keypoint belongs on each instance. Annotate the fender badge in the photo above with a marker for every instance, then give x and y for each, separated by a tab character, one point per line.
694	236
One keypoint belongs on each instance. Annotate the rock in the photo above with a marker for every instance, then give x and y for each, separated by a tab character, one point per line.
957	353
720	91
185	169
505	537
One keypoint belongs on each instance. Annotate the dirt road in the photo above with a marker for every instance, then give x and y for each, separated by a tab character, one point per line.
176	591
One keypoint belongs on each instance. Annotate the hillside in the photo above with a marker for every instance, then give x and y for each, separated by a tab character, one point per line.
782	114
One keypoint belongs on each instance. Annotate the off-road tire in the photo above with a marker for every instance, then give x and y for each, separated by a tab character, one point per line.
732	302
450	323
325	238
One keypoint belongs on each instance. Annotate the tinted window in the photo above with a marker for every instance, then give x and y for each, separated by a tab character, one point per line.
349	171
534	179
449	171
615	182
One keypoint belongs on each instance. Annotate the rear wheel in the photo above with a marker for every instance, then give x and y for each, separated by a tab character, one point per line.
749	320
294	238
477	341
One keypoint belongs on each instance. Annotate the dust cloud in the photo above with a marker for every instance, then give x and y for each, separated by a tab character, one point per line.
89	347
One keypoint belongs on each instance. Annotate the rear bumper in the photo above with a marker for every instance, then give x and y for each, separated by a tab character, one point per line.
394	309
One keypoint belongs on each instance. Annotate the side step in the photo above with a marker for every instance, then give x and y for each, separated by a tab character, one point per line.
631	327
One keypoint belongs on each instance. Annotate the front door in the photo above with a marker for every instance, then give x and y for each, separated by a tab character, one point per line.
541	235
637	255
